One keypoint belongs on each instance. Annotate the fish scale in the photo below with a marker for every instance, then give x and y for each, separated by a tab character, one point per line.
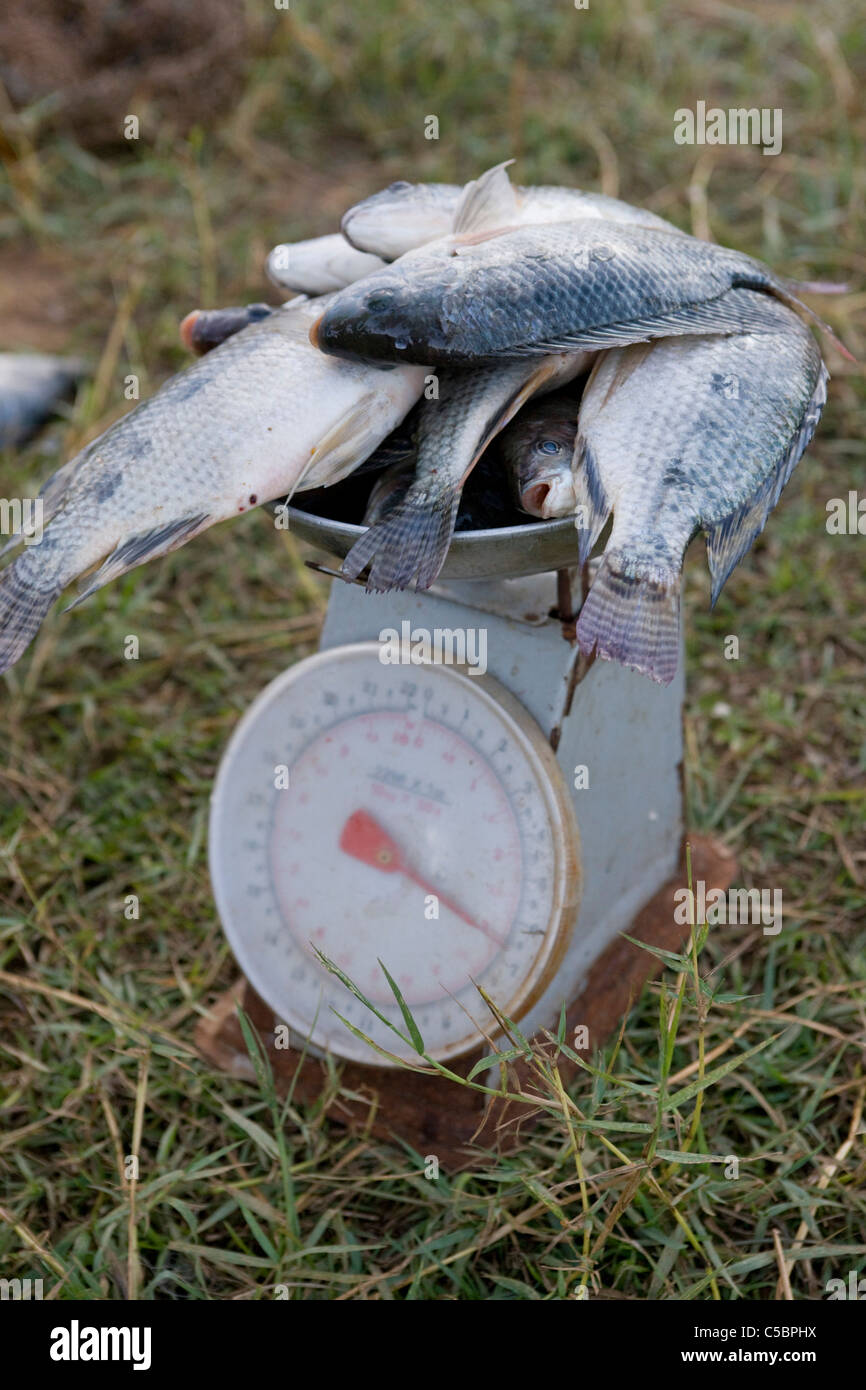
677	436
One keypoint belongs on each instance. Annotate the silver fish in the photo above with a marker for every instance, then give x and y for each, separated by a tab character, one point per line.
408	215
676	436
481	296
256	419
537	448
32	386
408	544
318	266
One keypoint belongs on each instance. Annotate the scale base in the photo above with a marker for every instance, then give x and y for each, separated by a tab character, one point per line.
430	1113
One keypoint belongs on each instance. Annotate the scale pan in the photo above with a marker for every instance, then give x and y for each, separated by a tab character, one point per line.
505	552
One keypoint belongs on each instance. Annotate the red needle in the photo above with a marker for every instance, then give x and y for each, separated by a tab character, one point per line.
365	839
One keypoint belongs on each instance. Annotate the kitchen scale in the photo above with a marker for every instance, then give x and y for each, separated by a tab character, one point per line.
494	811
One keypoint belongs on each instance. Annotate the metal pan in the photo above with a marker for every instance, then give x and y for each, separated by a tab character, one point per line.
507	552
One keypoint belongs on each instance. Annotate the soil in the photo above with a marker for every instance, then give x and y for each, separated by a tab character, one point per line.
97	61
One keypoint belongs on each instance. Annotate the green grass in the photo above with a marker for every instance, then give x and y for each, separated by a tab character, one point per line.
106	765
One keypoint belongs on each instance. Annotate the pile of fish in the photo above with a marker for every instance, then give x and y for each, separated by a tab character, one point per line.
677	387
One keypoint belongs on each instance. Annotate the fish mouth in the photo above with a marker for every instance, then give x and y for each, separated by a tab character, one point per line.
187	330
548	498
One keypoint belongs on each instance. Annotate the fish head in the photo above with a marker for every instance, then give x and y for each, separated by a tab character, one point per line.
538	450
401	217
547	489
384	318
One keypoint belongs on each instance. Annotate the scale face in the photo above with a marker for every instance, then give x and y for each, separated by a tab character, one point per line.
408	814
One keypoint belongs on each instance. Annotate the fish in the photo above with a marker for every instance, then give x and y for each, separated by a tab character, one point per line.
204	329
537	449
678	436
318	266
407	215
32	387
408	544
257	418
481	298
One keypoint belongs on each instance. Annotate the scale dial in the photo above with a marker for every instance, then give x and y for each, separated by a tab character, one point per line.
425	824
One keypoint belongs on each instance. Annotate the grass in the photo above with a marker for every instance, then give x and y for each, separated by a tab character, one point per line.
107	764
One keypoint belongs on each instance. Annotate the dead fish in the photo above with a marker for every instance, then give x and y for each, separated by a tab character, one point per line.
32	386
256	419
676	436
537	448
204	329
318	266
408	544
407	215
554	288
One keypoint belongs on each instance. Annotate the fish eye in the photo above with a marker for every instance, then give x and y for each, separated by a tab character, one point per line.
549	446
399	186
380	299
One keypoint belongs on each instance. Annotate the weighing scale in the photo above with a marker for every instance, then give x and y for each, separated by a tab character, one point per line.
496	823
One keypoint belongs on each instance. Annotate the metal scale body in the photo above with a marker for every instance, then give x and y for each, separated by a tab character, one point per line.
606	817
625	730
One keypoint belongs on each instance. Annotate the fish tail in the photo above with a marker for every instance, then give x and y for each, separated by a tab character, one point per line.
407	546
632	615
22	611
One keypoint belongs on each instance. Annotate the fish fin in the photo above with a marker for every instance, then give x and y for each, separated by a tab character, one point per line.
725	314
786	291
632	615
487	203
591	506
140	548
407	547
22	612
351	440
729	540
